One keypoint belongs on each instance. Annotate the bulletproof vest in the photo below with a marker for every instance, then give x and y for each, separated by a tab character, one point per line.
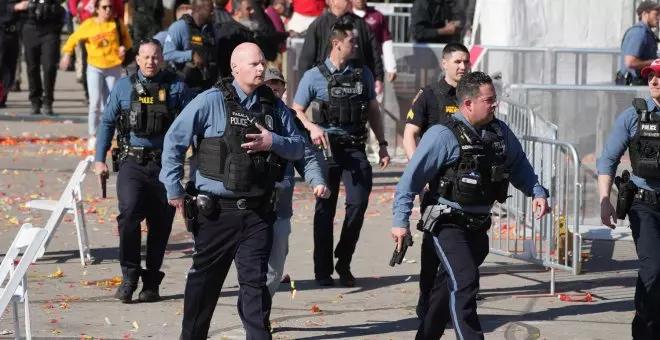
479	176
148	114
44	10
203	44
348	98
644	146
447	103
223	159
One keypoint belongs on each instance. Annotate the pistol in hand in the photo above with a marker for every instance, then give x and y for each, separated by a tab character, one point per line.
104	180
397	256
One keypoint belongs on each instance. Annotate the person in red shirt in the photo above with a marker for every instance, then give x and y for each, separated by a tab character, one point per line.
304	12
378	25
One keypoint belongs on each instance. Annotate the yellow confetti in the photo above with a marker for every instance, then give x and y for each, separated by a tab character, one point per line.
56	332
135	325
293	294
57	274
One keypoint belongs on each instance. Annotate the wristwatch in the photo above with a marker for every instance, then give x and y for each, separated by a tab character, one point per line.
383	144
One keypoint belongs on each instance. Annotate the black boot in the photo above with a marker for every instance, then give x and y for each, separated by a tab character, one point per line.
346	278
36	109
47	110
125	291
150	283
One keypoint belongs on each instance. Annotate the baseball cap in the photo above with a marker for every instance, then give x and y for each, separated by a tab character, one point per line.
647	5
655	67
272	73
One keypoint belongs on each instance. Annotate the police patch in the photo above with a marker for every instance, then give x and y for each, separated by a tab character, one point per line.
410	114
269	122
161	95
417	95
451	109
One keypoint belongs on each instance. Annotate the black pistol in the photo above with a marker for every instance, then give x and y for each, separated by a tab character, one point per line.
627	191
104	181
397	256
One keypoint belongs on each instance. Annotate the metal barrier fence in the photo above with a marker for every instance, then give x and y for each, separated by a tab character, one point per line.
554	241
398	19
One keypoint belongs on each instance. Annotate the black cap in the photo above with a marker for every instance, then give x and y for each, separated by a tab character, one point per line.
272	73
647	5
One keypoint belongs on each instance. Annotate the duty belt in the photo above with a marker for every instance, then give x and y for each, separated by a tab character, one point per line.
347	140
647	196
208	203
141	154
8	28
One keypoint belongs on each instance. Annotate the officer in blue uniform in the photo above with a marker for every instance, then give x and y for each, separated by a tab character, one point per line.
312	168
639	46
636	129
246	136
342	98
141	107
468	160
191	49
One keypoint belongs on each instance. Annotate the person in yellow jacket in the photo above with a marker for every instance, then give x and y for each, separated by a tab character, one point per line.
106	40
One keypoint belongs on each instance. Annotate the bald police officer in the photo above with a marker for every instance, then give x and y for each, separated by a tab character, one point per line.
246	136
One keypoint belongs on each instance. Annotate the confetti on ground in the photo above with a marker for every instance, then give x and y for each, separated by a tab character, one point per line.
135	325
57	274
315	309
115	281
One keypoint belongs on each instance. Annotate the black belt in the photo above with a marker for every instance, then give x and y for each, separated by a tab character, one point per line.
647	196
9	28
208	203
347	140
142	154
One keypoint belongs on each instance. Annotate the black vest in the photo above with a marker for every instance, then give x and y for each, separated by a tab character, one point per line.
348	102
45	10
479	176
644	146
223	159
447	104
149	114
202	43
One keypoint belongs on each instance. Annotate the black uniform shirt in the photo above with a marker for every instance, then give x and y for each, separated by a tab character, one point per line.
432	103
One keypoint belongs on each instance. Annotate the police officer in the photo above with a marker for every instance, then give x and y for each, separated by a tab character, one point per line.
191	46
9	43
431	105
636	129
343	99
435	101
41	39
639	45
312	167
246	136
469	159
142	107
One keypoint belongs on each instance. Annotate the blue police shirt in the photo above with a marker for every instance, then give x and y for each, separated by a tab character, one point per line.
206	116
440	147
640	42
161	37
176	47
310	167
178	96
313	85
624	129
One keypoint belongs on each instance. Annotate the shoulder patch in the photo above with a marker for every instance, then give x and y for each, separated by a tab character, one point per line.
410	114
417	96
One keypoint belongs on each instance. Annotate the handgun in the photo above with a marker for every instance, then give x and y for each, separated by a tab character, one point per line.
104	180
397	256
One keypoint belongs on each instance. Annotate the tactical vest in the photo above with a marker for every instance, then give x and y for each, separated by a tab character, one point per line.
644	146
45	10
223	159
479	176
348	102
204	45
447	103
148	114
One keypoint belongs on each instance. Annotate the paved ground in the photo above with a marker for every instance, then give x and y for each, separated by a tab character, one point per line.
76	302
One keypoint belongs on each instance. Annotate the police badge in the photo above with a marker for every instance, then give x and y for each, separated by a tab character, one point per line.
161	95
269	122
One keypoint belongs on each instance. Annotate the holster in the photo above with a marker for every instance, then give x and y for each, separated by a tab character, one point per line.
626	195
190	208
437	215
115	159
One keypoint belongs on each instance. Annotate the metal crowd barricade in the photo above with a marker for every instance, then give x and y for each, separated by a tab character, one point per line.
554	241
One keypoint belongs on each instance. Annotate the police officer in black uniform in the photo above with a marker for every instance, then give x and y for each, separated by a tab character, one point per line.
431	105
469	159
9	43
246	136
41	38
636	130
191	48
141	106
